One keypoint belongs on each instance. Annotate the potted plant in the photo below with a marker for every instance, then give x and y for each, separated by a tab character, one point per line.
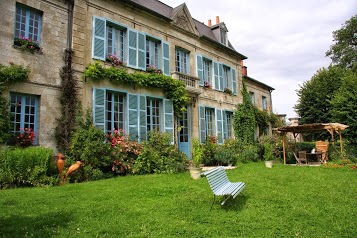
197	158
268	154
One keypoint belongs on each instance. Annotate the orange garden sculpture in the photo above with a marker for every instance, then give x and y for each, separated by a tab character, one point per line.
60	167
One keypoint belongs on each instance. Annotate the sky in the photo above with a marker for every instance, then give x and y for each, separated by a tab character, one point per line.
285	40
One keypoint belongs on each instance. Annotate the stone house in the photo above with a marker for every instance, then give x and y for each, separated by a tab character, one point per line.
141	33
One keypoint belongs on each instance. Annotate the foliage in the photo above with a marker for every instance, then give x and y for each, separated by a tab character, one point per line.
125	152
224	154
314	103
275	121
88	145
262	119
244	122
31	166
160	156
26	44
173	89
344	106
197	152
344	51
66	124
209	149
228	91
9	75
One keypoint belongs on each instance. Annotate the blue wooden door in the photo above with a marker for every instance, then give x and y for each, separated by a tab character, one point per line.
184	137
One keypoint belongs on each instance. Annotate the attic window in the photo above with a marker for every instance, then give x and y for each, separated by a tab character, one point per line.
223	37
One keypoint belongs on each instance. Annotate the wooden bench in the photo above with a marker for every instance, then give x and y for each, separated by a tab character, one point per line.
220	184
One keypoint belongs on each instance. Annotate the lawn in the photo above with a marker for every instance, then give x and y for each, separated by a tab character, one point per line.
286	201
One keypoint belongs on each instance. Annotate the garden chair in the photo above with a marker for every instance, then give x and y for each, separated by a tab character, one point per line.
301	158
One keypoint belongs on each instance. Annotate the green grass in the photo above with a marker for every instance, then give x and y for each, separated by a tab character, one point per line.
286	201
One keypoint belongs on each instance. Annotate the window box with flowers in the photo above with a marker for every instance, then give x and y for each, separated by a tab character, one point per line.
25	137
26	44
206	85
228	91
152	69
114	60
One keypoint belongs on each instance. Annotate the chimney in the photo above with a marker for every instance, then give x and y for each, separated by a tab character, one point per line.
217	19
244	71
209	22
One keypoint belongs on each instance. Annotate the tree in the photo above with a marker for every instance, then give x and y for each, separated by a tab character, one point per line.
315	95
244	122
344	106
344	51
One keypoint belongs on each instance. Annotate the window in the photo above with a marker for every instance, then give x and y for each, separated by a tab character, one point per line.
115	42
28	23
153	114
223	37
114	111
207	65
181	60
227	77
229	124
251	94
24	112
209	114
152	53
264	103
183	122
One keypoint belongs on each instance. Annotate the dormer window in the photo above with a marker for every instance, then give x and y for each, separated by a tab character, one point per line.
223	37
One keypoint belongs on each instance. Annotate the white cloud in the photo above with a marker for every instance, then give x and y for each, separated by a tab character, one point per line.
285	41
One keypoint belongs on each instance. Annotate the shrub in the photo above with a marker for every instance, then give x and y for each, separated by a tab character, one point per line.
88	145
160	156
248	153
209	149
125	152
32	166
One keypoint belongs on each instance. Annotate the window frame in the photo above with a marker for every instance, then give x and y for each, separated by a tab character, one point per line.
154	117
252	97
264	103
121	42
28	12
182	60
112	111
24	123
153	45
207	70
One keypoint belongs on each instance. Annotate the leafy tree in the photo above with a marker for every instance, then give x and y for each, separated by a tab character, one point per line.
345	106
315	95
244	122
344	51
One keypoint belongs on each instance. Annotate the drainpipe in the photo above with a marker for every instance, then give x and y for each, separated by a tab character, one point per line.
70	5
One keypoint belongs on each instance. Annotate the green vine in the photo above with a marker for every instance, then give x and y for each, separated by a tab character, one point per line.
66	124
244	121
173	89
262	118
9	75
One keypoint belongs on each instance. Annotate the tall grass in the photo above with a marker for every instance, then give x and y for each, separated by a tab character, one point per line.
286	201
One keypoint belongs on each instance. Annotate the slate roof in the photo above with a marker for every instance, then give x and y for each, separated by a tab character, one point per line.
166	12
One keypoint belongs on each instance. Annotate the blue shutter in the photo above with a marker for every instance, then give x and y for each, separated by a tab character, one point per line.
141	51
99	42
202	124
225	129
169	118
99	108
234	81
221	77
142	120
133	116
216	76
166	59
200	69
132	38
219	124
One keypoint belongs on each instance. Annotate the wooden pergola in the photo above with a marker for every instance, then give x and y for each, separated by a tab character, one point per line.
308	128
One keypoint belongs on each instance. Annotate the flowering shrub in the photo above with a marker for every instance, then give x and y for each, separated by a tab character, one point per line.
341	164
125	151
26	137
26	44
206	84
114	60
153	69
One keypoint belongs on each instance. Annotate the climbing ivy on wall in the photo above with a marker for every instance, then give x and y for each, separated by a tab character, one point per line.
244	121
173	88
9	75
66	124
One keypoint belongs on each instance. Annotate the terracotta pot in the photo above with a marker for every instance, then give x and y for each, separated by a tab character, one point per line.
73	168
60	163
